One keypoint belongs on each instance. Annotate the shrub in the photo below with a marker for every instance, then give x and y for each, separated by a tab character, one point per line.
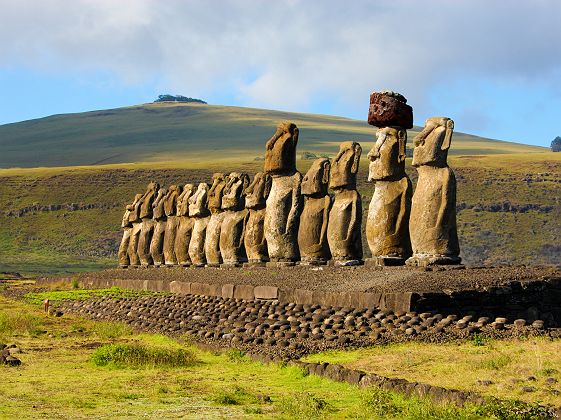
111	330
138	355
304	405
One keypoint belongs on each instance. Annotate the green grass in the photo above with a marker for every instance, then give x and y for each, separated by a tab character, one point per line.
160	132
147	375
142	356
507	364
55	296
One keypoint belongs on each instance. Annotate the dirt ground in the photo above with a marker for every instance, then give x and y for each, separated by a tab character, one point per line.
342	279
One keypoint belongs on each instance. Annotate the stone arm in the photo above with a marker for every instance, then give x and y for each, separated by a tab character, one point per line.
353	220
296	207
403	213
448	197
326	210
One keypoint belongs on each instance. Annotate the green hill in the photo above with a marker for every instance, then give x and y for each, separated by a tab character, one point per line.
176	131
61	212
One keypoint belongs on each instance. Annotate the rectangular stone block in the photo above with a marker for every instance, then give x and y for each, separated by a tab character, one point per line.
215	290
180	287
227	291
244	291
286	295
303	296
266	292
199	289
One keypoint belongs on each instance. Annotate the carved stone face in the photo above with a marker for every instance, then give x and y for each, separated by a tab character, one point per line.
257	192
199	201
387	157
345	166
234	191
316	180
183	200
153	186
216	191
432	144
280	151
170	202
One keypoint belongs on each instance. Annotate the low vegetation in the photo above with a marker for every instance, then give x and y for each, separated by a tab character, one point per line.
526	369
139	375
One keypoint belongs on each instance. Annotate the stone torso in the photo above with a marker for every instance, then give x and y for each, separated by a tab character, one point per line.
343	231
434	213
388	216
312	233
282	216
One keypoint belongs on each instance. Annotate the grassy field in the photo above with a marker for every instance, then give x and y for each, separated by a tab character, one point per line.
188	132
525	369
72	241
76	368
179	143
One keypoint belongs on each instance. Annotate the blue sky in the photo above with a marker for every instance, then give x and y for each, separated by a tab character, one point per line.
493	66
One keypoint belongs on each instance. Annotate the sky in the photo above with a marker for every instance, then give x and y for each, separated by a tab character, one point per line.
494	66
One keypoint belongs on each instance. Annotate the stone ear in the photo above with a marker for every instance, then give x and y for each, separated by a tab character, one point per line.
448	136
268	183
402	141
326	170
356	158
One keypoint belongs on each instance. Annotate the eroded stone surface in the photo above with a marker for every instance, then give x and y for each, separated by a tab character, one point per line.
345	217
387	226
255	200
235	216
389	109
433	230
147	225
284	204
129	217
185	226
159	217
198	210
312	232
170	208
212	240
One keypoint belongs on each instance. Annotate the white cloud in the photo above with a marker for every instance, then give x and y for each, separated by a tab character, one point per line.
284	53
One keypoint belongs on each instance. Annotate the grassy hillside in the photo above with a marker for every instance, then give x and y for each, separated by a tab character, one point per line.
188	132
509	209
67	218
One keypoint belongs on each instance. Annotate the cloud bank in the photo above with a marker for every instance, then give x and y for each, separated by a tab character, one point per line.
291	54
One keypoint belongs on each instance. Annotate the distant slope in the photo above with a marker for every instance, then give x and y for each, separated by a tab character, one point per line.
164	131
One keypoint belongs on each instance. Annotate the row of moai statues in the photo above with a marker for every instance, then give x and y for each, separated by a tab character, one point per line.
282	218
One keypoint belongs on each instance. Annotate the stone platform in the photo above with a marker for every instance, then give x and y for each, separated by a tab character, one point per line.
515	292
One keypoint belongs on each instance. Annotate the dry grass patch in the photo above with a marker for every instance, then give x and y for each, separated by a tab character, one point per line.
526	369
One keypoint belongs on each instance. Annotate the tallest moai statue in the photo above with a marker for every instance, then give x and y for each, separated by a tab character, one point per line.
387	226
284	204
433	229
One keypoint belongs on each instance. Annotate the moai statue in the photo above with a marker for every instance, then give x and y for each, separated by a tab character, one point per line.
254	238
235	217
312	233
185	226
345	217
198	210
170	208
212	240
159	217
127	224
136	222
387	225
147	228
434	235
284	204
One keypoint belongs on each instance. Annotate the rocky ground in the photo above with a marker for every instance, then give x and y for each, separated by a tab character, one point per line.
291	330
7	354
342	279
